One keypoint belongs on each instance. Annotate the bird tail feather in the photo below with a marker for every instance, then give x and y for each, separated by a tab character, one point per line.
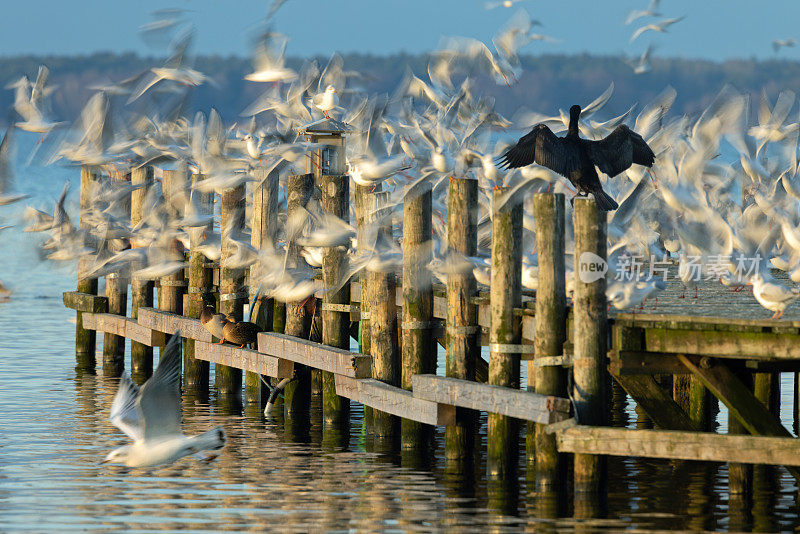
214	439
604	200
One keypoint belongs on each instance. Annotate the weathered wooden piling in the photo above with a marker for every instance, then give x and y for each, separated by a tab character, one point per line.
463	348
297	395
589	319
363	203
141	289
418	348
279	316
264	231
681	390
326	160
551	328
85	340
699	404
740	476
232	291
117	295
336	299
196	372
767	389
173	287
382	298
505	333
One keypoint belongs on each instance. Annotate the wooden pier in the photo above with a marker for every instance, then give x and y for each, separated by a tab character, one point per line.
400	317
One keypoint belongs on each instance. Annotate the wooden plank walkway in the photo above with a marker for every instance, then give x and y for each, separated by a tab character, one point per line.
85	302
278	353
170	323
677	445
123	326
394	400
245	359
332	359
495	399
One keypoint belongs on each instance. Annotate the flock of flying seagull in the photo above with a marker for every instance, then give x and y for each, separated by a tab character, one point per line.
667	183
431	128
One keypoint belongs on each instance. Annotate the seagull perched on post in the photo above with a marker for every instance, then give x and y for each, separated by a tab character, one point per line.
326	101
151	416
576	158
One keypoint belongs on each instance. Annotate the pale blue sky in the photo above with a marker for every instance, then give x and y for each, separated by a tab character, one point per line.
713	29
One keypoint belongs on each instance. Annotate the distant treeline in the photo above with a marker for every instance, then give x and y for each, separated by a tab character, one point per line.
549	82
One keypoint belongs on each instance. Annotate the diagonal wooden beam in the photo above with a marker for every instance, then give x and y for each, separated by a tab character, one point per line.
656	402
741	402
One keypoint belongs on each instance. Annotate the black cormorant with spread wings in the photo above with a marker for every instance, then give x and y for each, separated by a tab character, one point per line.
576	158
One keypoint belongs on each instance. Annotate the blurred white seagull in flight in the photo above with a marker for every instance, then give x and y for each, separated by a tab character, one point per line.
151	417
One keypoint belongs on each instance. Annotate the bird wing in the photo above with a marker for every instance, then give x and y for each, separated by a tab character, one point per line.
159	401
597	103
618	150
543	147
773	292
124	414
38	89
640	31
6	161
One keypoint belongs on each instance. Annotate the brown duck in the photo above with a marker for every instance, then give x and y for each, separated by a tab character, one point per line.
240	333
212	320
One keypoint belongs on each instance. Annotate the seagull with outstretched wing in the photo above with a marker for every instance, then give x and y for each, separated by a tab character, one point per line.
151	417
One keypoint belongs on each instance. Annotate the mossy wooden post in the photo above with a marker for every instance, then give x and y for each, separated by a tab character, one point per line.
682	390
279	316
382	296
418	348
85	340
170	296
740	476
335	322
589	319
326	160
463	348
699	403
505	333
117	294
232	291
196	372
362	199
297	395
264	227
766	387
551	328
141	290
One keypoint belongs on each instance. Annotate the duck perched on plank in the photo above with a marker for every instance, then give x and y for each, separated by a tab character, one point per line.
227	328
240	332
576	158
212	320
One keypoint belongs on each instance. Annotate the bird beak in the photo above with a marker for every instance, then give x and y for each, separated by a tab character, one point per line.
103	461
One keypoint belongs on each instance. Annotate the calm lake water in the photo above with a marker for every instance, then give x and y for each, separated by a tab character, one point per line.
54	430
